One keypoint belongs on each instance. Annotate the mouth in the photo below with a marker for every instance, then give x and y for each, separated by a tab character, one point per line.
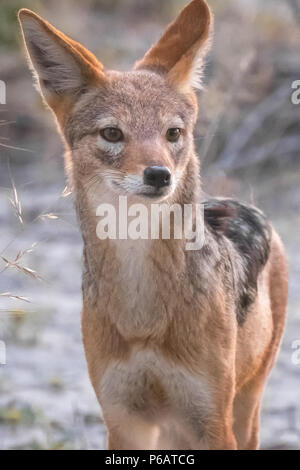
154	193
147	192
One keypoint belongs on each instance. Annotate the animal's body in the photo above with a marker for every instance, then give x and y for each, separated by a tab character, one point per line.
178	343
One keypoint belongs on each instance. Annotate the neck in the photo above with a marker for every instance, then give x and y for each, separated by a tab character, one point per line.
127	273
190	190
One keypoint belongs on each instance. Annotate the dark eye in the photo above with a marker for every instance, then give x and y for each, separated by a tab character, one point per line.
112	134
174	134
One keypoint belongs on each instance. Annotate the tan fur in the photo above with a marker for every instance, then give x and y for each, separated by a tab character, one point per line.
171	366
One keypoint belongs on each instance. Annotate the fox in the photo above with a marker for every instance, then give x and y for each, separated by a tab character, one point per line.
179	343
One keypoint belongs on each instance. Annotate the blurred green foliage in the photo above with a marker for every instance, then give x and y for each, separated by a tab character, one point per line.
8	20
13	414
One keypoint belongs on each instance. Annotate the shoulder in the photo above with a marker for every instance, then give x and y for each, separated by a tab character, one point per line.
245	225
250	234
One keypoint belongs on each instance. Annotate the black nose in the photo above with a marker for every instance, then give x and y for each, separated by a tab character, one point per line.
157	176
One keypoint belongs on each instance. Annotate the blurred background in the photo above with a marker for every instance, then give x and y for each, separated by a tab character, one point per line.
248	139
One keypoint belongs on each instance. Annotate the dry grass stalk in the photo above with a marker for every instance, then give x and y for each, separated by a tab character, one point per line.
48	216
15	264
12	296
15	202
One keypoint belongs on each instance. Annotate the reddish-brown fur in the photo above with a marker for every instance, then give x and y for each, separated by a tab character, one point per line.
170	363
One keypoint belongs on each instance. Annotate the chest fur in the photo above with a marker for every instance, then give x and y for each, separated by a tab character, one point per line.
150	386
138	285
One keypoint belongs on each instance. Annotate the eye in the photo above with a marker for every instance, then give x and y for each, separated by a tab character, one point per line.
174	134
112	134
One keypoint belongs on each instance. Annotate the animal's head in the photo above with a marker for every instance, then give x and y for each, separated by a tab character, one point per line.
133	130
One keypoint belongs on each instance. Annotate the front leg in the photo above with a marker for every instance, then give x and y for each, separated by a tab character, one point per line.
206	422
215	434
127	432
220	435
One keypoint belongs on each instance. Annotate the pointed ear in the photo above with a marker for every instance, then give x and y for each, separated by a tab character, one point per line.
63	67
181	51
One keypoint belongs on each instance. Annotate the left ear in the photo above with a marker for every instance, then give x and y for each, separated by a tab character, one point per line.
181	51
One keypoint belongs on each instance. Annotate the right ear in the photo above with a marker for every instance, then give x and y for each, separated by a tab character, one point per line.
63	67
